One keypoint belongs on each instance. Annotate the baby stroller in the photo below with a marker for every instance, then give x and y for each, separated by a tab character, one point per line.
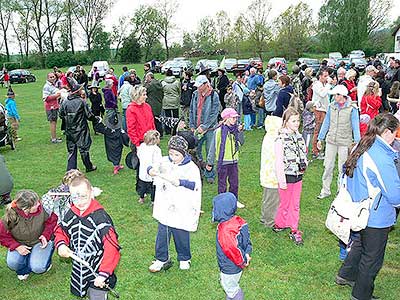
5	130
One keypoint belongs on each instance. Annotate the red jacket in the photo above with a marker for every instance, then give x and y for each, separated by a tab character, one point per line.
350	85
369	105
139	120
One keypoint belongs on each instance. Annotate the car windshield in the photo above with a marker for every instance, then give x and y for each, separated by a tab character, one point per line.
311	61
212	63
243	61
358	61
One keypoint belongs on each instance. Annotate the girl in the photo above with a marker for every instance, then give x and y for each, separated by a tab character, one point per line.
97	102
394	95
25	230
110	99
230	98
177	204
247	109
149	154
370	104
291	162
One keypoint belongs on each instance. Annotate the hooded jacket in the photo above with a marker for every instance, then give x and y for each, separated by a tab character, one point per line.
11	108
155	95
209	113
271	89
282	101
172	93
233	236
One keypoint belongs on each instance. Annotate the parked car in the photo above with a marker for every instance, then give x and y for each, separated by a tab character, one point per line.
240	66
311	63
229	64
21	76
360	63
345	60
357	53
335	55
157	67
179	58
179	66
166	65
279	62
256	62
102	67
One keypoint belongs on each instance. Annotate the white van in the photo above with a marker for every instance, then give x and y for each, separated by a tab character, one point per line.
102	67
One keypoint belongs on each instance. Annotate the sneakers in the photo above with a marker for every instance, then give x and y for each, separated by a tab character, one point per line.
23	277
323	196
341	281
240	205
277	229
56	141
94	168
117	169
184	264
295	236
158	265
49	268
321	156
140	201
18	139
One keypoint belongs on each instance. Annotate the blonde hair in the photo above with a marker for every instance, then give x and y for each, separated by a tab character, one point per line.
152	137
71	175
372	88
395	90
136	92
350	73
80	180
309	72
24	200
289	112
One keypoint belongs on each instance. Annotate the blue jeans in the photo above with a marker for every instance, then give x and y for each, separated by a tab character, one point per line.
261	117
247	122
253	119
207	138
38	261
181	240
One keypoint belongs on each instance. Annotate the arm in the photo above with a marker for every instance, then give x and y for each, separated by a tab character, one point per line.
212	150
61	237
131	124
213	115
245	244
321	90
192	111
279	164
49	226
6	238
355	124
325	125
241	138
279	105
111	254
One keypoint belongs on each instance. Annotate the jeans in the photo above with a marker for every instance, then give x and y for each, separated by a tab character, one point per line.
261	117
38	261
181	240
207	138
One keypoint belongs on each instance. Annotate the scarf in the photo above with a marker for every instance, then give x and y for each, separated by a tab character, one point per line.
225	129
202	97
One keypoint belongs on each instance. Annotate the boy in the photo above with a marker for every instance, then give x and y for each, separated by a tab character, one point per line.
12	114
233	244
88	232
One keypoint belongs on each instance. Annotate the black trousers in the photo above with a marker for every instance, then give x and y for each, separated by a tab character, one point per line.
145	187
364	261
72	157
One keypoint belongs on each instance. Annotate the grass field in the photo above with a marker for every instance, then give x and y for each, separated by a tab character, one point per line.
279	269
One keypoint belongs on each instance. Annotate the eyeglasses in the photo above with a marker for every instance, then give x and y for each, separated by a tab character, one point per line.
75	197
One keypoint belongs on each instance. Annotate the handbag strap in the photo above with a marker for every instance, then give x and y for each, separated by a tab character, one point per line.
368	163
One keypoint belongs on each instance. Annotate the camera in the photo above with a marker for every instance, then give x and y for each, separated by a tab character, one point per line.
302	166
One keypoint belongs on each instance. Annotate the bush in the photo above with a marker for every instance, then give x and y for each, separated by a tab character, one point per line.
67	59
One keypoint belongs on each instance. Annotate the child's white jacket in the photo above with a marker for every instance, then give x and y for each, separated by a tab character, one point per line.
149	155
268	177
178	206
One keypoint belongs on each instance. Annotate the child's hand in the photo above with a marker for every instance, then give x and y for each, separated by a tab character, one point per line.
23	250
319	145
43	241
209	167
99	281
240	127
64	251
153	172
248	258
283	186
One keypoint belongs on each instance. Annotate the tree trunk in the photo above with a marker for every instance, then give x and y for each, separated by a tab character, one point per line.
88	41
166	45
49	26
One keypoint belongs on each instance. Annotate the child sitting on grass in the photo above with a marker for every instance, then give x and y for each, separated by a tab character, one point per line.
233	244
88	232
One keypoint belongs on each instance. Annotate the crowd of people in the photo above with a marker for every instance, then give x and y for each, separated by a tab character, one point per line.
337	113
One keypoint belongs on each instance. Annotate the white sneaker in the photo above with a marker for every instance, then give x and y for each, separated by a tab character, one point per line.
49	268
240	205
184	264
23	277
158	265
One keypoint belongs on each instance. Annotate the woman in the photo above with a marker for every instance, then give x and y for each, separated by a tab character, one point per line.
350	84
306	83
172	97
25	230
370	104
367	252
284	95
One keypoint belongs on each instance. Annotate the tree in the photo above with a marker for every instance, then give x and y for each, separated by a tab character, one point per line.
166	9
53	11
130	50
293	30
119	33
257	25
68	8
222	24
22	26
101	45
206	35
378	18
187	42
38	29
5	18
238	35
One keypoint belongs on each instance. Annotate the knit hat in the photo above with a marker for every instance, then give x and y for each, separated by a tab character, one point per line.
229	113
179	144
10	92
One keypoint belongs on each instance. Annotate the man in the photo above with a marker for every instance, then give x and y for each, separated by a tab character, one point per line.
396	76
50	97
370	73
203	117
237	88
146	69
221	85
320	99
155	95
76	113
254	80
121	79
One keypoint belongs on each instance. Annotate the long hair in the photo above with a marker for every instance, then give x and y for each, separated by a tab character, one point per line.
375	127
372	88
394	90
24	200
290	111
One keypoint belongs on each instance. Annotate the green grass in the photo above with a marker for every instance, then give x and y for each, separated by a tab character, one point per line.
279	269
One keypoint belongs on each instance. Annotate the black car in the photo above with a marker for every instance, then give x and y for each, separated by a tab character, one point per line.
21	76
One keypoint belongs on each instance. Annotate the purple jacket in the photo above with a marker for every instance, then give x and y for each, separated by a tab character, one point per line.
109	99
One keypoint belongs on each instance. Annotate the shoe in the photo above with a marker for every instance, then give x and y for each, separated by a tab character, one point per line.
18	139
140	200
116	169
314	156
260	127
277	229
295	236
56	141
49	268
323	196
321	156
94	168
184	264
372	298
341	281
158	265
240	205
120	167
23	277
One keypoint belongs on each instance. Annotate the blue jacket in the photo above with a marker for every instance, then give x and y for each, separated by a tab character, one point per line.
382	213
224	208
11	108
209	113
271	90
253	81
247	107
282	102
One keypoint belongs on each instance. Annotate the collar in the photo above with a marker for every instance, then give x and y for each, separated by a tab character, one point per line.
187	159
93	206
29	215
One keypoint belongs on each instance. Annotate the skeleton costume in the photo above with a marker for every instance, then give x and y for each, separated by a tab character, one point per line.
92	237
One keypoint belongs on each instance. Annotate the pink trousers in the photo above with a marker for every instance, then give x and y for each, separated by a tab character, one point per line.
288	213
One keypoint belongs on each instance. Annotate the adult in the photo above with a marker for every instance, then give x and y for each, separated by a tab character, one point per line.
155	95
121	79
384	84
51	95
350	84
110	75
221	85
341	75
339	129
133	78
187	89
271	90
110	100
366	256
370	104
26	230
295	80
237	88
203	116
306	85
6	183
284	95
146	69
391	69
172	96
320	98
139	116
95	76
124	93
83	79
75	114
254	79
396	75
370	73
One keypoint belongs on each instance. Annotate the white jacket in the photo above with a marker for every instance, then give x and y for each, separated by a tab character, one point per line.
178	206
320	96
149	155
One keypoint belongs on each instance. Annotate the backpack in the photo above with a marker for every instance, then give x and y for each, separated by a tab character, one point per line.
296	102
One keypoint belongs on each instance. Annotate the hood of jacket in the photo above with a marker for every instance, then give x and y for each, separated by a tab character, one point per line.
288	89
272	125
169	79
270	86
224	207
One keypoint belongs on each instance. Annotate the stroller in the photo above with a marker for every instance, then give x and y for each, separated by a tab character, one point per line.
5	130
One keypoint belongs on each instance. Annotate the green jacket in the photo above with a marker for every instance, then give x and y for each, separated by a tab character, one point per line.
155	95
230	155
172	93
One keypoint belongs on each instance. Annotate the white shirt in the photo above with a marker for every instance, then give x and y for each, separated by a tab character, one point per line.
320	95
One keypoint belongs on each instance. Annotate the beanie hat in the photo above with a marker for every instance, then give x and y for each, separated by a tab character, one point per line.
10	92
179	144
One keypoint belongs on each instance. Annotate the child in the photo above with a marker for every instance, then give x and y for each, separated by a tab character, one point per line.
370	104
96	100
149	154
88	232
268	178
247	109
12	114
231	99
177	204
6	183
233	244
114	138
225	148
291	162
110	99
308	123
26	230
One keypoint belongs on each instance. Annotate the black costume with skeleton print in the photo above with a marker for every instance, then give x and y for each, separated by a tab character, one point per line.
86	235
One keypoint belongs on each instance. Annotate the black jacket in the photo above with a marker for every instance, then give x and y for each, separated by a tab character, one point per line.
186	95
